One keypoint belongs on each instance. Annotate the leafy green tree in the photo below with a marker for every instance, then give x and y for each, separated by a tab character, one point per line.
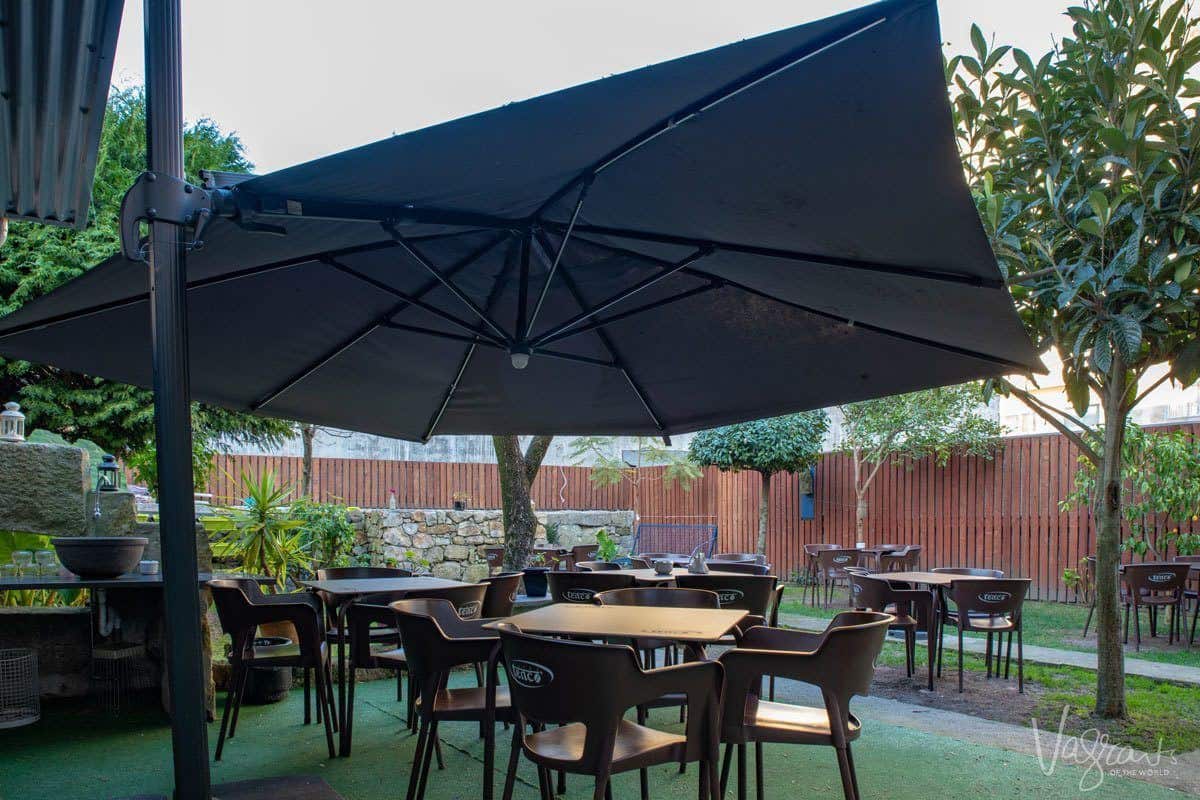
933	422
1160	490
38	258
611	469
1085	171
518	468
791	443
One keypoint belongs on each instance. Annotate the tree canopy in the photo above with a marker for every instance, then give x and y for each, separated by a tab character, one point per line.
1084	167
38	258
780	444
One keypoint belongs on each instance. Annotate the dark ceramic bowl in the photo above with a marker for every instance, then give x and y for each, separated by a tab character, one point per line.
100	556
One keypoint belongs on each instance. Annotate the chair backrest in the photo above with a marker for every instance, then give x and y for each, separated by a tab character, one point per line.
230	596
674	537
584	552
582	587
596	566
868	593
740	567
340	573
553	681
662	597
1187	559
751	593
428	629
501	594
466	600
639	563
903	560
974	572
652	557
814	548
1162	578
834	560
999	597
842	665
745	558
494	556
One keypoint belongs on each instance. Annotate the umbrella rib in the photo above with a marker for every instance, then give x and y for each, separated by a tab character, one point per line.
908	337
587	313
600	323
450	390
370	328
562	246
715	98
408	298
613	353
444	280
789	255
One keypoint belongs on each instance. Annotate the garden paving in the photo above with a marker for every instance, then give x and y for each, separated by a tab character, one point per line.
1043	655
905	752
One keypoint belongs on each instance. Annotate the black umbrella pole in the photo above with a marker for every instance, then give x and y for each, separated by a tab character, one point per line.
172	411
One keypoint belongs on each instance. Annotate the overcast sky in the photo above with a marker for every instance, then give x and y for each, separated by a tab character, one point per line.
299	79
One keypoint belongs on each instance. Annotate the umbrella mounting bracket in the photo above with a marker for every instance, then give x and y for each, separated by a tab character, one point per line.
156	197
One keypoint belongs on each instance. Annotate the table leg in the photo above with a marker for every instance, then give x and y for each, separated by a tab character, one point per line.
343	743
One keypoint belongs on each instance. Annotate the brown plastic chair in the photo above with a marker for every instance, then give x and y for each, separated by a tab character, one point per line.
903	560
387	633
751	593
593	737
436	640
831	567
495	557
946	604
840	662
740	567
992	607
663	597
1154	586
812	566
501	594
240	617
909	607
597	566
638	563
652	557
584	552
582	587
745	558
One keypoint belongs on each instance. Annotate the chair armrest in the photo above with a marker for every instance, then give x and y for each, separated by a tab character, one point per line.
302	615
690	678
762	638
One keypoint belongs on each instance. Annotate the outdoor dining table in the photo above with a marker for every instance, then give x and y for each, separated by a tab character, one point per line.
695	626
343	592
942	579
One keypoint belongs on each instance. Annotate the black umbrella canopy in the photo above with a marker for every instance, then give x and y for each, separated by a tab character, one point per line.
770	226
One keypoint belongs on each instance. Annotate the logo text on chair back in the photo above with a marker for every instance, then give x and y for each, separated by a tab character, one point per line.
1162	577
530	674
470	610
577	595
727	596
994	597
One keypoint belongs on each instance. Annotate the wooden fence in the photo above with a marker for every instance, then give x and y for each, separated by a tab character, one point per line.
1000	513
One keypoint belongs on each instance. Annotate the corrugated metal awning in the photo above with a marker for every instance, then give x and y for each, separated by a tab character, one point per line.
56	60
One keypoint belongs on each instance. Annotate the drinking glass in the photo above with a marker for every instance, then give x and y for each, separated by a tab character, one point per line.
47	561
23	559
9	572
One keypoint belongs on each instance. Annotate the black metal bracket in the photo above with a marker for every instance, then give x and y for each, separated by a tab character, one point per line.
156	197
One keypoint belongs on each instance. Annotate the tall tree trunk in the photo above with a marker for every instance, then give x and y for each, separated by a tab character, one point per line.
307	433
860	495
1110	673
517	472
764	510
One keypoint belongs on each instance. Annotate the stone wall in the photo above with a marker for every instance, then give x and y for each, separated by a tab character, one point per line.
42	488
453	542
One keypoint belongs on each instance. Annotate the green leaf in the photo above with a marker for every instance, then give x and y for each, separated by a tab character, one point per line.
1091	225
1024	62
1126	334
1078	392
1113	139
1186	367
1183	270
1099	203
978	41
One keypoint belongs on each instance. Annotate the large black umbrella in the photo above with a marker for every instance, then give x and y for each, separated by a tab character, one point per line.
774	225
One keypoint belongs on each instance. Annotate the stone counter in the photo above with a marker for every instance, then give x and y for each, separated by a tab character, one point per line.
453	542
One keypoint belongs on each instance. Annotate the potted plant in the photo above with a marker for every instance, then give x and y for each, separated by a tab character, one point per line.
460	500
535	575
607	548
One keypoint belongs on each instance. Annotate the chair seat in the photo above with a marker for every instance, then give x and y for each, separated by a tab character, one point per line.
901	620
283	655
376	634
783	722
469	703
1155	600
635	745
396	656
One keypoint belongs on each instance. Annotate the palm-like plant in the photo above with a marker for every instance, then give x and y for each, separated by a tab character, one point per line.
263	538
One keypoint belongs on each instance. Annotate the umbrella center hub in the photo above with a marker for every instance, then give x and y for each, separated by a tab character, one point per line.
519	354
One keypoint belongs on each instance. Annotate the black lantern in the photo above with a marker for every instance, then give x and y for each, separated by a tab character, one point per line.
106	474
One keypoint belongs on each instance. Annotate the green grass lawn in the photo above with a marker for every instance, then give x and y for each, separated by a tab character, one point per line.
1046	624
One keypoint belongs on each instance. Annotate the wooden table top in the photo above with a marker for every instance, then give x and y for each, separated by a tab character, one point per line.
645	622
650	576
133	580
353	587
930	578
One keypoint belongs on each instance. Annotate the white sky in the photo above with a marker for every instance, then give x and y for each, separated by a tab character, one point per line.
299	80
